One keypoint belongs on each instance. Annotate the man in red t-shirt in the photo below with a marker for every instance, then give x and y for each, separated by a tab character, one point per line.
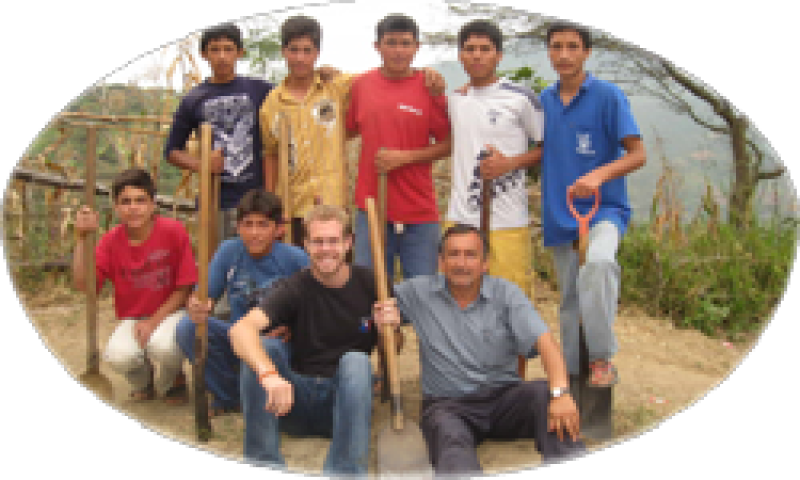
149	261
396	116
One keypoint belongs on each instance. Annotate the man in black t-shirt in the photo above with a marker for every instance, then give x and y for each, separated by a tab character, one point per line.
326	387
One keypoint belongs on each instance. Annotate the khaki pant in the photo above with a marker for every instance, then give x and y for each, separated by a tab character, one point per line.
127	358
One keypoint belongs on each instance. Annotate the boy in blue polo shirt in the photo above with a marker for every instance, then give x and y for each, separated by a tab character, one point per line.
591	141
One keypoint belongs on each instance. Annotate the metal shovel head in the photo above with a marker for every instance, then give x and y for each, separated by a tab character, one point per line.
97	383
403	453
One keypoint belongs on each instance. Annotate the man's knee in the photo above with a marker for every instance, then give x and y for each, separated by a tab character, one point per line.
121	360
355	369
184	335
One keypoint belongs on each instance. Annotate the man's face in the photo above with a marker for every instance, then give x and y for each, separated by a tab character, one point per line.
462	260
397	50
479	57
134	207
300	55
222	55
258	233
567	53
327	246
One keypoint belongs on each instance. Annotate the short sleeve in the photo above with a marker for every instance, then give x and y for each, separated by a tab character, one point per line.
187	267
102	260
351	120
523	319
533	119
183	123
281	302
439	122
219	266
623	120
265	116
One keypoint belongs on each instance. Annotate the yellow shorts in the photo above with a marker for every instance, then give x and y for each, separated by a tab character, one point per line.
510	255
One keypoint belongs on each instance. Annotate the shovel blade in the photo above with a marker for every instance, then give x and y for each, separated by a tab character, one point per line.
403	452
97	383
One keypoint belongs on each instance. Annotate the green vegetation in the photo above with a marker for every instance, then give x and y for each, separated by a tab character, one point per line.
720	280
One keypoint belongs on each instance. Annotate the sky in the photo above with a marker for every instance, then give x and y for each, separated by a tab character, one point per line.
348	34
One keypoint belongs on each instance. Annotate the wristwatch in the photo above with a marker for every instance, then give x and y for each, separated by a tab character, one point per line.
559	392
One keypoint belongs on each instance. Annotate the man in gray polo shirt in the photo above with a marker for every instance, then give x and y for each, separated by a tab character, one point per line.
471	327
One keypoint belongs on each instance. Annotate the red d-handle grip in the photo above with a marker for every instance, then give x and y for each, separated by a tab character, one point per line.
583	220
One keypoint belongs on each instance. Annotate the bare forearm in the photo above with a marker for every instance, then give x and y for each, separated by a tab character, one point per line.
174	302
527	159
245	336
432	152
184	160
79	266
552	361
633	159
270	171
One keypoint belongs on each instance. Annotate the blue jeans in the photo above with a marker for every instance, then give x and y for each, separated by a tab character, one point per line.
221	375
417	247
339	408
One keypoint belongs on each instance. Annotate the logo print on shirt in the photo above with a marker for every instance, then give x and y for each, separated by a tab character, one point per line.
324	112
585	144
409	108
233	119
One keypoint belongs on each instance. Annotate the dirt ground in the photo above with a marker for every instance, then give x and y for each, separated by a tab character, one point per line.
662	370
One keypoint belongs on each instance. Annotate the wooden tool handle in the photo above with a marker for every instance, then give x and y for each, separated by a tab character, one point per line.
387	334
283	172
90	240
202	423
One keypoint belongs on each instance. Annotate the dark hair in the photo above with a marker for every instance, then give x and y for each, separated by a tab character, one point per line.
395	23
482	28
218	32
261	202
557	27
133	177
300	26
462	229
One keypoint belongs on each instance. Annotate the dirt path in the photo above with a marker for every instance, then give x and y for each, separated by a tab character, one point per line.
663	370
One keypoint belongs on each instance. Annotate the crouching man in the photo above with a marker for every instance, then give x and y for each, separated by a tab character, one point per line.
149	261
471	327
320	382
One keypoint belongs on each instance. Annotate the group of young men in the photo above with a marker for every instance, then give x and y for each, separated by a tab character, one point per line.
294	354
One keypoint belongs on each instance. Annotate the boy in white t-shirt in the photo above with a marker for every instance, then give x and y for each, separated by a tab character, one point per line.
502	119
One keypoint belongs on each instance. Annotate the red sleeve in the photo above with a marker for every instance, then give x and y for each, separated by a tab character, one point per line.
440	122
186	268
102	260
350	121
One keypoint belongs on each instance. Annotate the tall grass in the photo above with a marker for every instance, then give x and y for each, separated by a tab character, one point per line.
706	274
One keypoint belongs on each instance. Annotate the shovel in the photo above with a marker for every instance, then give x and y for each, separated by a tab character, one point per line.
594	403
92	377
202	423
382	178
485	222
401	448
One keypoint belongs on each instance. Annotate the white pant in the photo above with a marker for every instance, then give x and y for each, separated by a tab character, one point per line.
126	357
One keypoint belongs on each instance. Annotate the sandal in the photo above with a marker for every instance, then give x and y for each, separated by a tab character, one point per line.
144	394
178	393
602	374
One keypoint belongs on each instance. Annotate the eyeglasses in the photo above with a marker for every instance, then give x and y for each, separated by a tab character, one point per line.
320	242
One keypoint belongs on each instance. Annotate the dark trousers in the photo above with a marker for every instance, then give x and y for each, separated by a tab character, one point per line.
454	427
